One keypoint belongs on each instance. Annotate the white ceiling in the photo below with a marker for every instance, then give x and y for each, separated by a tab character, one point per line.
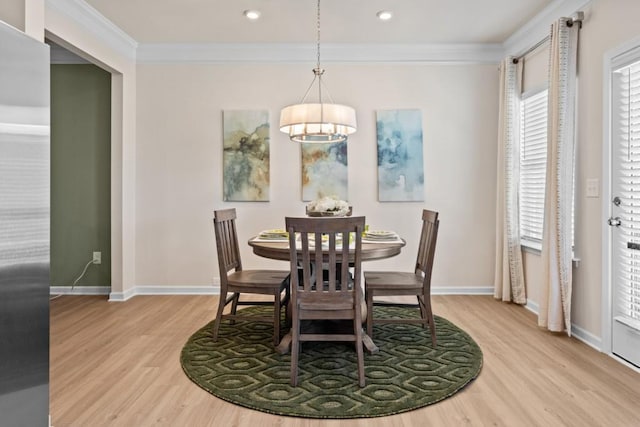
342	21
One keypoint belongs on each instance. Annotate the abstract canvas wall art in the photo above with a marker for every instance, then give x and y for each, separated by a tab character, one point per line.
400	163
246	156
324	171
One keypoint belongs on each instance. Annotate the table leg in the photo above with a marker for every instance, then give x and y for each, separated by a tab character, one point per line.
285	344
369	344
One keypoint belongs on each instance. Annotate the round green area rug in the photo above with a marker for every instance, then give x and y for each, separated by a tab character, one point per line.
242	367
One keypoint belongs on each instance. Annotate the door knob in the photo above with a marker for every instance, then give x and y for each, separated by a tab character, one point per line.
614	222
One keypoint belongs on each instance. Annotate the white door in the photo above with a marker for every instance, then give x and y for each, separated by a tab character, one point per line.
625	211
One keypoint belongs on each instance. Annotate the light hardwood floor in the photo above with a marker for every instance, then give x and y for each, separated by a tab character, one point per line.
117	364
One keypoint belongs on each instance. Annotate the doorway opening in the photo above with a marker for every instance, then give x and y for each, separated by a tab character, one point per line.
80	174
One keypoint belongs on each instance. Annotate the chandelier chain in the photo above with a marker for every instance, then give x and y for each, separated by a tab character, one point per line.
318	35
318	71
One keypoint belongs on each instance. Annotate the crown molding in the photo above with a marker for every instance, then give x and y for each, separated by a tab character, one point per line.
538	28
305	52
95	23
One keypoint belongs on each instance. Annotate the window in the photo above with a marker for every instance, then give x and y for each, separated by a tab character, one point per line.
533	165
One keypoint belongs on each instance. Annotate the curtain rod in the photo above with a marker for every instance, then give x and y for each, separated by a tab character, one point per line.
578	17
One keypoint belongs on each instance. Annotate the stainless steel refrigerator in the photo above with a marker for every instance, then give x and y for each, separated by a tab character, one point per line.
24	229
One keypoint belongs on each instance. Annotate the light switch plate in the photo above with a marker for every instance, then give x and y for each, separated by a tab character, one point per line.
593	187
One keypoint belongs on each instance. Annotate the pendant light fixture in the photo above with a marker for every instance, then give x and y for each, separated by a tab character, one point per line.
320	122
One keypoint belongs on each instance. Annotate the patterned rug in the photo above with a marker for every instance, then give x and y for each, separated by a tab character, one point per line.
407	373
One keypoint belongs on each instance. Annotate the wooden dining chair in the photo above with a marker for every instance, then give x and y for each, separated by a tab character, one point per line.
322	287
235	281
418	283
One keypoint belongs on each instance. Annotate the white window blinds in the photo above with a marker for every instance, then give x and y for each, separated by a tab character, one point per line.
626	128
533	162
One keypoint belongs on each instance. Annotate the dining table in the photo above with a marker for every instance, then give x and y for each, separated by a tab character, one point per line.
372	250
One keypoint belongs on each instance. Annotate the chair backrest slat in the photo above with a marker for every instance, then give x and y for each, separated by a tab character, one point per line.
224	222
317	239
427	246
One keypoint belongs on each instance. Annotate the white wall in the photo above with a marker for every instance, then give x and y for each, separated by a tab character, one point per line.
179	162
12	12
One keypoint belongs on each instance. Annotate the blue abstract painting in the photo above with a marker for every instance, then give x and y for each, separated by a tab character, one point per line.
400	163
324	171
246	156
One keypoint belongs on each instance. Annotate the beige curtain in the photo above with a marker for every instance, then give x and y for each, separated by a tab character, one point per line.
509	276
557	239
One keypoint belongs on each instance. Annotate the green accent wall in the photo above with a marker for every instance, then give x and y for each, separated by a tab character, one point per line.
80	174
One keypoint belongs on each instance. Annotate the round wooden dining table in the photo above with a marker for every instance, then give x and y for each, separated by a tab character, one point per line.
279	250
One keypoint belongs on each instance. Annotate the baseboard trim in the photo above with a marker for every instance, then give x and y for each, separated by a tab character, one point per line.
122	296
461	290
576	331
178	290
165	290
586	337
532	307
215	290
79	290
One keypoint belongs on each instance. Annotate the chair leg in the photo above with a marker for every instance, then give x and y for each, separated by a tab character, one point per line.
432	324
369	298
357	329
295	347
276	318
234	305
423	310
287	307
216	324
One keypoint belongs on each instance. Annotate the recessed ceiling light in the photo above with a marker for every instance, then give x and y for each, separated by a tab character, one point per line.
252	14
384	15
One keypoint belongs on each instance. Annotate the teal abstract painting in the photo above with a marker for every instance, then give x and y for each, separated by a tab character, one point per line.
400	162
246	156
324	171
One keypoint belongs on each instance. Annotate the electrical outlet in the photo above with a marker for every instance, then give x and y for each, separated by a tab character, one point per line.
593	187
97	257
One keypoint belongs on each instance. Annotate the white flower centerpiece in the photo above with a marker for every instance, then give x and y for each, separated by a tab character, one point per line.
328	206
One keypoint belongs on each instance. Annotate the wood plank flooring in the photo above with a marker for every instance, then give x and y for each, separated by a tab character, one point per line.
117	364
